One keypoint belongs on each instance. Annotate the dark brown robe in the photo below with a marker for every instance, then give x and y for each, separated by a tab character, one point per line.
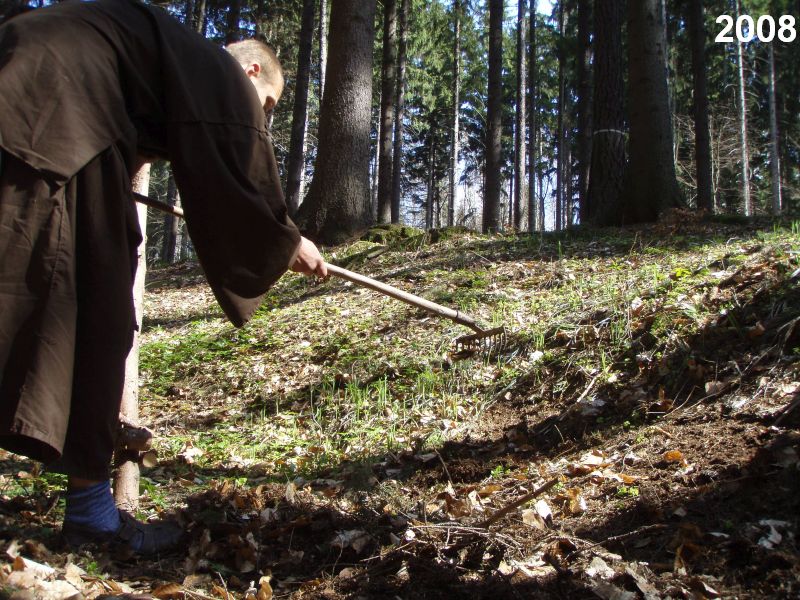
85	88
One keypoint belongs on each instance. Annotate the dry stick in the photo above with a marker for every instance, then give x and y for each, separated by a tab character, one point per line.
787	410
620	537
517	503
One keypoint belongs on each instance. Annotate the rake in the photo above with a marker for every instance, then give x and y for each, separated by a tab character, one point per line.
483	339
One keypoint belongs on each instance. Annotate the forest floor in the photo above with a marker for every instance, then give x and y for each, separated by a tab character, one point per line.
635	437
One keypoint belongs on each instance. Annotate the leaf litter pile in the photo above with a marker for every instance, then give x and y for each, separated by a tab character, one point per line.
636	437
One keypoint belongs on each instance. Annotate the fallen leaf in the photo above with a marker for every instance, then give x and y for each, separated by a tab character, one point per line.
599	568
169	591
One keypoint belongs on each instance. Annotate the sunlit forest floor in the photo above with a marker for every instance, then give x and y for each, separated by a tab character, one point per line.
635	437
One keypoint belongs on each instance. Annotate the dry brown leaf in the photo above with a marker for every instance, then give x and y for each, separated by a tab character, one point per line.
169	591
674	456
264	589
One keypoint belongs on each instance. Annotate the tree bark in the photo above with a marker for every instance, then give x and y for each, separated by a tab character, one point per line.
232	25
388	86
170	226
697	35
296	165
651	186
608	138
399	110
491	202
744	150
338	202
200	23
454	144
774	153
323	45
560	142
126	476
520	119
533	206
584	105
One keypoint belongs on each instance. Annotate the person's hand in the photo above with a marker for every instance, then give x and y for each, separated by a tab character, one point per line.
309	261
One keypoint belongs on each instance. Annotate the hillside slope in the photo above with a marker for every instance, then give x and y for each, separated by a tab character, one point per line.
636	436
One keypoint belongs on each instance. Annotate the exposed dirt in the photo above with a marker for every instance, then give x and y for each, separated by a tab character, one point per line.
678	479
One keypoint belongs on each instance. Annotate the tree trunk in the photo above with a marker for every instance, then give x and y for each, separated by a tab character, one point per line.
200	23
338	202
560	141
774	155
388	86
608	137
491	201
170	226
584	105
744	151
296	166
188	14
399	108
126	476
697	34
429	195
323	45
454	146
232	25
533	206
650	186
520	119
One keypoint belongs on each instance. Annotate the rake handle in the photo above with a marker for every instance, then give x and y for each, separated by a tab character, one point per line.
411	299
356	278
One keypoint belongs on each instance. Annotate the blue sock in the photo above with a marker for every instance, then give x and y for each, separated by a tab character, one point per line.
92	507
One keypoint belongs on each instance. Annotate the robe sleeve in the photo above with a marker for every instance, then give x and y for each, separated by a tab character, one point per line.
235	211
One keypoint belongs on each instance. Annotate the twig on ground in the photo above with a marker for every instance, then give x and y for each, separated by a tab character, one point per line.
519	502
617	538
785	411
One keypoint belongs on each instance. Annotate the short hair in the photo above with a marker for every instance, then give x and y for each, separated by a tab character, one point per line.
256	51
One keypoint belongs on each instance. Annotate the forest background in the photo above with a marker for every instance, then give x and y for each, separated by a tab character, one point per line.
526	116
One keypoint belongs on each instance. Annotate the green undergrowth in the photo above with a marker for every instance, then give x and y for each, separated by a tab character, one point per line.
328	373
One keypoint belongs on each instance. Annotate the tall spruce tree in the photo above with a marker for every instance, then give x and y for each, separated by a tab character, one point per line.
338	204
491	199
651	186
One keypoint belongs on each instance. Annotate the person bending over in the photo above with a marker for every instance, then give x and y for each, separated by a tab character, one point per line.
89	91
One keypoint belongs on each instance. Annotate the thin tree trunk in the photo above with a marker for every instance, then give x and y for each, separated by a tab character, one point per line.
296	165
774	158
170	226
399	109
188	14
520	118
744	151
200	22
697	34
533	206
429	195
126	476
323	45
388	86
584	105
234	14
491	202
560	142
454	146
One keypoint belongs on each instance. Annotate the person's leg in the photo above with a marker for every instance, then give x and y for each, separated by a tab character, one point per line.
107	236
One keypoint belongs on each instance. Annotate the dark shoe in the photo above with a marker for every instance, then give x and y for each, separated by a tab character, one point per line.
141	538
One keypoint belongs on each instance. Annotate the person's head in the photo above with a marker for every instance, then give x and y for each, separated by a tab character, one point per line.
262	67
